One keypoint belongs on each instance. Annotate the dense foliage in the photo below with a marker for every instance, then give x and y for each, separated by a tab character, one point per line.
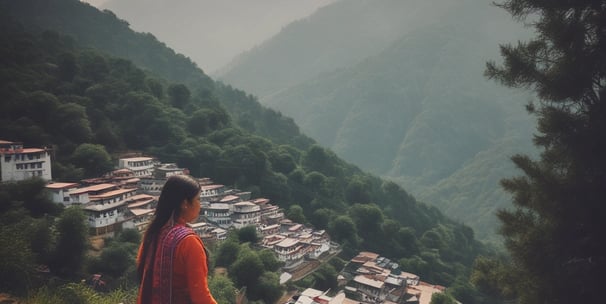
555	235
37	232
88	105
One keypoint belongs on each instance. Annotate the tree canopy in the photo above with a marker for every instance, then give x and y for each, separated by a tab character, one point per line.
555	234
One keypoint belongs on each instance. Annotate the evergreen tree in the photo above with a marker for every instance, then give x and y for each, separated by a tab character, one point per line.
555	234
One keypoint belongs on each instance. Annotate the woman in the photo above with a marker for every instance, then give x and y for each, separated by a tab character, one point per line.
172	262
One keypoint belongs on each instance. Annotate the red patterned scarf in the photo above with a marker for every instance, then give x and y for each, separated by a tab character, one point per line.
158	272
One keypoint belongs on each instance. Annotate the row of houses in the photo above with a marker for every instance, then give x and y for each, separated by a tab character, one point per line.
20	163
292	242
126	198
114	201
370	278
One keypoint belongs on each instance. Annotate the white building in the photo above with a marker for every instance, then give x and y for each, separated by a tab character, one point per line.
211	192
246	214
106	211
139	219
169	169
20	163
373	289
153	184
81	196
266	230
270	214
141	166
219	214
289	249
60	192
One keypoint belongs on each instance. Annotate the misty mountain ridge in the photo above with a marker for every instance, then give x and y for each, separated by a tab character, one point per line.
412	105
336	36
211	32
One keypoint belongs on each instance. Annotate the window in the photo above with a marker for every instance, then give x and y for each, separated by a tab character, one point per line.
39	165
7	158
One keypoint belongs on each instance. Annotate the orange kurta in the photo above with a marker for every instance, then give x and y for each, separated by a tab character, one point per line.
190	272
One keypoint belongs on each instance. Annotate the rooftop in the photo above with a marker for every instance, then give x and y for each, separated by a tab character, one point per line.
287	242
211	187
61	185
111	193
140	211
229	198
93	188
23	151
137	158
368	282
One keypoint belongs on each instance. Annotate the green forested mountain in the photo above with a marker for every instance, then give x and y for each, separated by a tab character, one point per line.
413	107
104	31
89	104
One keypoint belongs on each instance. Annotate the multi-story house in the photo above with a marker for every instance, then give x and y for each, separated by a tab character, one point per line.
209	193
208	233
269	241
153	184
270	214
19	163
230	200
266	230
124	178
139	218
218	214
377	279
140	166
60	192
169	169
108	210
81	196
245	214
289	250
372	290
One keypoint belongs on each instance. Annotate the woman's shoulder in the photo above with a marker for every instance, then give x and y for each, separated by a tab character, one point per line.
177	232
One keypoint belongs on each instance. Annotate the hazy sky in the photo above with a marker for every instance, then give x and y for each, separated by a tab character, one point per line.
96	3
210	32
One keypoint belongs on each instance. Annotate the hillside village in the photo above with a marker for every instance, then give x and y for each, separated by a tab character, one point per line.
125	198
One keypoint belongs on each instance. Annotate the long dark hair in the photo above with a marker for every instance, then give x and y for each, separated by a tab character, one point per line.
176	189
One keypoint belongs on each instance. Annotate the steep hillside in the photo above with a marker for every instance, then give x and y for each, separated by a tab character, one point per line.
102	30
100	105
417	111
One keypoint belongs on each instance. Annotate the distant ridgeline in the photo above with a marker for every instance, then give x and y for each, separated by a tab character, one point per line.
404	98
93	103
